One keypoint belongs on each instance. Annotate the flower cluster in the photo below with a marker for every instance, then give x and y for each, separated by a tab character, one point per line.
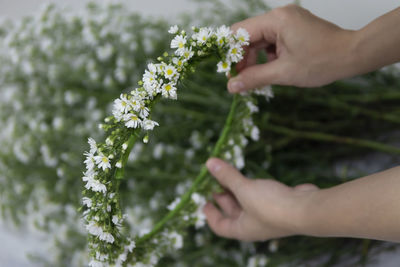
131	113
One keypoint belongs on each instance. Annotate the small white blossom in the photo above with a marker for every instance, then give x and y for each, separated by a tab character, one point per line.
255	133
92	144
132	121
109	238
169	72
149	124
173	29
95	263
235	53
243	36
122	104
223	33
203	35
96	186
177	240
223	66
118	164
252	108
102	162
87	202
179	43
169	91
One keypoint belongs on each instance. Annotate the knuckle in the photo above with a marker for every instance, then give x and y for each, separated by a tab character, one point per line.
284	13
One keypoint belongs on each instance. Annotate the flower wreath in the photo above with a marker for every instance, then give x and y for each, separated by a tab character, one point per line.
108	241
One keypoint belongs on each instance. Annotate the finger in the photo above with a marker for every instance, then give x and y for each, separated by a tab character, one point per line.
249	59
219	224
228	204
256	76
306	187
262	27
227	176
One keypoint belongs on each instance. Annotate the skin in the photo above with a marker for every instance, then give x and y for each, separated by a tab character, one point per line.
304	50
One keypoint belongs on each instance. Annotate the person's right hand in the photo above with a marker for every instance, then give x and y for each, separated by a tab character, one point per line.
302	49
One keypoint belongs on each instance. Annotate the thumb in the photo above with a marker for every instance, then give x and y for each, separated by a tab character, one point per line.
256	76
227	175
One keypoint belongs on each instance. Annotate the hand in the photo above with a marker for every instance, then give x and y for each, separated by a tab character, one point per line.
254	209
302	50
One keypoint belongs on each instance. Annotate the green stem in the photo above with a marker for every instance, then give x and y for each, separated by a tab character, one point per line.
119	173
333	138
199	179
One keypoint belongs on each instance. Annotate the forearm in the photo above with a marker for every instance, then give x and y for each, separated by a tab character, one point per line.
368	207
377	44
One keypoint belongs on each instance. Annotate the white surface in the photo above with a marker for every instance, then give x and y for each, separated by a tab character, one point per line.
347	13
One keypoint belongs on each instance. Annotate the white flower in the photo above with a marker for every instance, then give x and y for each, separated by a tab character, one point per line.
255	133
93	228
102	161
101	257
265	91
169	72
149	124
177	240
223	33
92	144
115	220
132	120
143	111
235	53
109	238
87	202
200	201
252	108
173	29
173	204
187	53
122	104
89	161
179	43
177	61
203	35
124	146
95	263
223	66
243	36
131	245
96	186
118	164
169	91
89	175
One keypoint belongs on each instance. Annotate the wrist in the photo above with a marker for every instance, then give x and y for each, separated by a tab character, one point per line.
305	214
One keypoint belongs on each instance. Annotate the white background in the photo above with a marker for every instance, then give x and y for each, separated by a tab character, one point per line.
352	14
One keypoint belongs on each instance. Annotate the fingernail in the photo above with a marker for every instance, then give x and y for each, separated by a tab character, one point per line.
235	86
213	166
